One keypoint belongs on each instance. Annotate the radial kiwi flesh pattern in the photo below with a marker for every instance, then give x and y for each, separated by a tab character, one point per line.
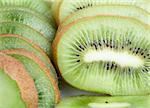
106	54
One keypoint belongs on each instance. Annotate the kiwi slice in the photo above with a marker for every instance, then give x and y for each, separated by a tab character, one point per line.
17	53
43	83
39	6
106	54
28	19
105	102
55	8
68	7
118	10
36	14
12	41
17	87
27	32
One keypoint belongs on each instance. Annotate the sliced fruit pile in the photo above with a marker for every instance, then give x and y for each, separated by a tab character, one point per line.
27	76
103	46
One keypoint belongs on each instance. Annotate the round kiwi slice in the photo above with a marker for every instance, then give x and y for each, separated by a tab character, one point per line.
17	87
42	79
11	41
107	54
119	10
27	32
17	53
28	19
68	7
105	102
39	6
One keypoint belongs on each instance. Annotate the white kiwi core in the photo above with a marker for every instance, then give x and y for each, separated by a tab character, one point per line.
124	59
109	105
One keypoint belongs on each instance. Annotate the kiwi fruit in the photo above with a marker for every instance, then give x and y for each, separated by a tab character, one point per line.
28	19
105	102
44	84
27	32
118	10
17	87
68	7
11	41
39	6
18	53
36	14
105	54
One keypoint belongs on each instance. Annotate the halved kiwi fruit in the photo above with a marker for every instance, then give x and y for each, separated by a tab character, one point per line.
39	6
11	41
43	81
28	19
118	10
105	102
17	87
68	7
40	67
27	32
105	54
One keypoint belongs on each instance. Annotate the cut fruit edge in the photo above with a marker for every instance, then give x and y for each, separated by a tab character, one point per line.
41	64
26	84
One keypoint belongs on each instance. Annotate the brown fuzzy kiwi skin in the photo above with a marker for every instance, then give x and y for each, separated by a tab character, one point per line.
25	83
34	45
41	64
65	28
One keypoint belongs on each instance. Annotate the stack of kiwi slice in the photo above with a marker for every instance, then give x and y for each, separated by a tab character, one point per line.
103	46
27	76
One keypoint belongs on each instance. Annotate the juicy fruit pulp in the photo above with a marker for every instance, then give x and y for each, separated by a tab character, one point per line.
106	54
118	10
68	7
33	5
16	42
32	21
105	102
9	89
27	32
44	86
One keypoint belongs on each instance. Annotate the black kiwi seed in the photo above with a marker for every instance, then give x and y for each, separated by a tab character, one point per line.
106	101
81	47
77	55
78	60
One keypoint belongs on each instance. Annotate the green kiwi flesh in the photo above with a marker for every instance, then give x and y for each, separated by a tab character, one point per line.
17	42
68	7
28	19
10	89
39	6
106	54
27	32
44	87
118	10
105	102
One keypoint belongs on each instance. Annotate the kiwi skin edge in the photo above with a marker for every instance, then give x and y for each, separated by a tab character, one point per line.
40	63
44	58
24	81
